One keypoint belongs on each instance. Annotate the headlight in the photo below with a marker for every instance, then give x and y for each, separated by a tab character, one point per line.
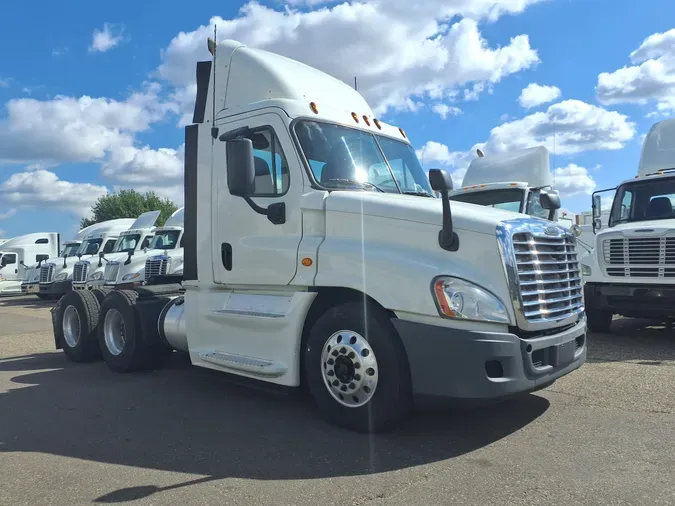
129	277
96	276
61	277
462	300
586	270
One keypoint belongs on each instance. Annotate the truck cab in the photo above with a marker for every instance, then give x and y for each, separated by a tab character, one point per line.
317	255
56	273
31	278
165	254
20	252
632	269
131	244
518	181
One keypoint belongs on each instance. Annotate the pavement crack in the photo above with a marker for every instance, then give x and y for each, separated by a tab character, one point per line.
388	493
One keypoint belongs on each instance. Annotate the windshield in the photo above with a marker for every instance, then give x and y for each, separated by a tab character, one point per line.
646	200
90	247
166	239
342	157
70	250
509	199
127	243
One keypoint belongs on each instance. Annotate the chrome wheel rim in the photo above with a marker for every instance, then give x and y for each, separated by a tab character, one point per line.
114	332
349	368
71	326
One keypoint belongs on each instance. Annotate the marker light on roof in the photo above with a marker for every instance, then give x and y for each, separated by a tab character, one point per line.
313	107
377	123
402	132
355	116
211	45
365	119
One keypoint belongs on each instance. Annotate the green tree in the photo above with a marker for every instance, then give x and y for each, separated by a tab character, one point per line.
129	204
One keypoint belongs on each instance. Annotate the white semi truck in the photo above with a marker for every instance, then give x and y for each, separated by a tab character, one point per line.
317	255
20	251
31	277
56	273
632	269
91	273
520	181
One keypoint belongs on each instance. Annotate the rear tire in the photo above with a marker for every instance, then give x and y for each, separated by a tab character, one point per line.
356	368
76	322
598	320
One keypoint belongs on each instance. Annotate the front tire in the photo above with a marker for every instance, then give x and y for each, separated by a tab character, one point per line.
356	368
598	320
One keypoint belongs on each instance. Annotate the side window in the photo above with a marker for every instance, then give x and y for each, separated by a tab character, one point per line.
42	241
109	246
9	259
271	168
146	242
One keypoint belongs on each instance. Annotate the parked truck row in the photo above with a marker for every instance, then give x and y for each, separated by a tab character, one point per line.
317	254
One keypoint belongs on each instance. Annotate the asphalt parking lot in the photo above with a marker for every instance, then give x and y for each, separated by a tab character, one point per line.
81	434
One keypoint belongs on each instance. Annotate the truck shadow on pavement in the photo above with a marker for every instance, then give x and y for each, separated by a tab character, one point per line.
646	342
186	420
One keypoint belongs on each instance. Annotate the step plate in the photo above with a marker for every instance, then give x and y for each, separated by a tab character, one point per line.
251	365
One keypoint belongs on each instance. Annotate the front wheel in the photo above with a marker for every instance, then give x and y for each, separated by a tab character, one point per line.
356	368
598	320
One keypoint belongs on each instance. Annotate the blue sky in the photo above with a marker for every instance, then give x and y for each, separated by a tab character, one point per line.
59	151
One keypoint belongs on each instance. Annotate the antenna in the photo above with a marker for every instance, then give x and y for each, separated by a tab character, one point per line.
214	129
355	84
554	136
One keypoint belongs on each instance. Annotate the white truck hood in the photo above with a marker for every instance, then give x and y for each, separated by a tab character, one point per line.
411	208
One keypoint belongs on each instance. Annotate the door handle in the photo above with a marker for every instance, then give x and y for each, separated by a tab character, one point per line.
226	255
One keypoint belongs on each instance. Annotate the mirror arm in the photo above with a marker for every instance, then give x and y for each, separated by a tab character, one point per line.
447	238
276	212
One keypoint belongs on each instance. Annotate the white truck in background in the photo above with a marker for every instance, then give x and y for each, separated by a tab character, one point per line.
91	273
165	256
519	181
21	251
316	254
56	273
632	270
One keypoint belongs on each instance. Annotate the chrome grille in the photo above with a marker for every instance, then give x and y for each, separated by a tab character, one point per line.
645	257
47	273
80	271
549	278
155	266
110	272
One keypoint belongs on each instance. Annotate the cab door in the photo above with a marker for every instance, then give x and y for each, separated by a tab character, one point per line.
248	248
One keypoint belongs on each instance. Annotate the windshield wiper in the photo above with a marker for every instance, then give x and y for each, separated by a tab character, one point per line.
421	194
354	182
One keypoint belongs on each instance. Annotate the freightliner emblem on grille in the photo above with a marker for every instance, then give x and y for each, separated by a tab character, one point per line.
551	231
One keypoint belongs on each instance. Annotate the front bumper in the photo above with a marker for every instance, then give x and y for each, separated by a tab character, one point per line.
125	286
89	285
631	300
56	288
478	367
29	288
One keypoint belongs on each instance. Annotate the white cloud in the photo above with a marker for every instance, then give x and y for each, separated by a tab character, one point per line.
573	180
7	214
651	78
106	39
535	94
434	154
416	57
44	189
4	82
568	127
445	110
68	129
2	233
134	166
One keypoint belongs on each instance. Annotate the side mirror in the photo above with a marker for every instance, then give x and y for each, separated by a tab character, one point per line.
441	182
576	230
128	260
597	224
21	262
549	200
597	206
240	167
100	258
